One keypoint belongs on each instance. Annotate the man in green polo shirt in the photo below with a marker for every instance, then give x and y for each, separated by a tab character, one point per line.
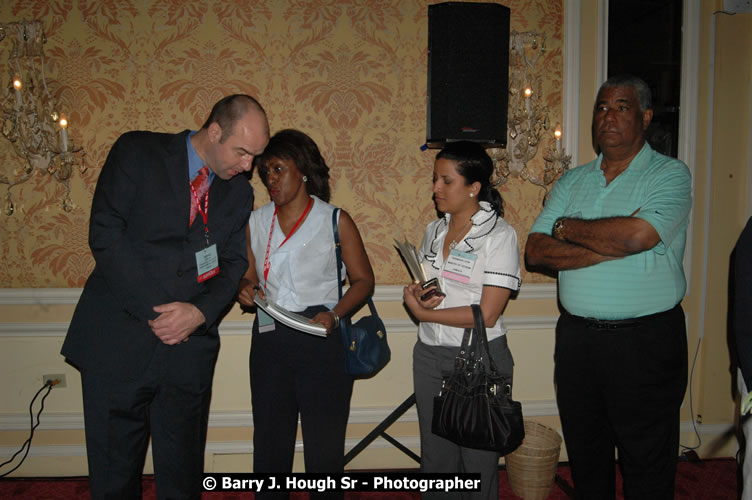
615	230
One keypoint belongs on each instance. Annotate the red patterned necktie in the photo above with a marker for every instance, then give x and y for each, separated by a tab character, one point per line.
200	186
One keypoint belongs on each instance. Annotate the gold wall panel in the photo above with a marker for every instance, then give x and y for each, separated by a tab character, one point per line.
352	74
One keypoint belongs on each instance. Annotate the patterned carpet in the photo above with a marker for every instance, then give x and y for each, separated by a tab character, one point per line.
714	479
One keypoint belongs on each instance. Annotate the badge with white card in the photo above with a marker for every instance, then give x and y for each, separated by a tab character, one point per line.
459	266
207	263
266	322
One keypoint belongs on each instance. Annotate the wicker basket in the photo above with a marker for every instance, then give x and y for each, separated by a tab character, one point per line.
531	468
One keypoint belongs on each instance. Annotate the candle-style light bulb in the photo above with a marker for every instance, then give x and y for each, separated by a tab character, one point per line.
17	86
557	134
63	122
528	94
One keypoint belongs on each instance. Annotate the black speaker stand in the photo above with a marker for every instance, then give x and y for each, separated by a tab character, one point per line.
380	430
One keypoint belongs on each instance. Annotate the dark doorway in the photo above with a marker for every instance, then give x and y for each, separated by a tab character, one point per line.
644	39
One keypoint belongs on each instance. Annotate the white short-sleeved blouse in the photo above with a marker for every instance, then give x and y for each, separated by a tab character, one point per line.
493	242
303	271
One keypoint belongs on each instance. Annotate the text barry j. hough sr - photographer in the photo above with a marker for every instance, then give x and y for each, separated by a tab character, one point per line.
361	481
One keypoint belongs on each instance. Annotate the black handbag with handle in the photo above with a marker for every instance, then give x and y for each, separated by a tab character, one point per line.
365	343
475	408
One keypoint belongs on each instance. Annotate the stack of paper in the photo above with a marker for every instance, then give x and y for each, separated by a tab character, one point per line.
291	319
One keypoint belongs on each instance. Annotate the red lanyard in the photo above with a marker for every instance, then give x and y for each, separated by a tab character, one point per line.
203	211
267	264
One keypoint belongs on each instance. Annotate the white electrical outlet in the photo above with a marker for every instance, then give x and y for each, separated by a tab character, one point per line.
737	6
56	379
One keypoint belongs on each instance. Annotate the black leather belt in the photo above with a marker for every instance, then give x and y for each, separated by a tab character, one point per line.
615	324
605	324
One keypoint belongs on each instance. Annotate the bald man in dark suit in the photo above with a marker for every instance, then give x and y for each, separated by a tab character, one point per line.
168	238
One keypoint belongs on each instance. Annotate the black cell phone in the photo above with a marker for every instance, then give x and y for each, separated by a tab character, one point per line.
430	293
433	282
430	283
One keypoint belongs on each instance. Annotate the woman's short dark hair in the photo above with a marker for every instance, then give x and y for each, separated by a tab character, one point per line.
474	164
294	145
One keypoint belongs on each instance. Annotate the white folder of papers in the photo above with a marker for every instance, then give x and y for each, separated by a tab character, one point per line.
291	319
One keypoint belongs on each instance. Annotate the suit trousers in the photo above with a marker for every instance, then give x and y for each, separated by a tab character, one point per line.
168	401
745	423
430	365
620	386
297	374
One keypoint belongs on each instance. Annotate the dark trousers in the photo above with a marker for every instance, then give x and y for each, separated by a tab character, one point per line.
430	365
621	386
294	373
169	401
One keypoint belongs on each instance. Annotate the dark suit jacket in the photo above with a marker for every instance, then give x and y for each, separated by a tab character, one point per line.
145	252
742	302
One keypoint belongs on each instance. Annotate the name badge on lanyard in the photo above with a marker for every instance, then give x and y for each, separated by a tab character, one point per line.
207	261
266	322
459	266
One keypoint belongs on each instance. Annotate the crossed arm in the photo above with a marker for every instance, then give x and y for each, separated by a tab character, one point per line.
583	243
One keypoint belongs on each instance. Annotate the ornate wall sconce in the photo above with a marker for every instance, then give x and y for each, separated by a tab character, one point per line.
557	162
527	119
31	118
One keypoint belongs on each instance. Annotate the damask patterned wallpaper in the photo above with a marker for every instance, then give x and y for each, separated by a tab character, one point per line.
352	74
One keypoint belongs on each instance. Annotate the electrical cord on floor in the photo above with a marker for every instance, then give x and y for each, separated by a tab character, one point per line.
689	452
48	385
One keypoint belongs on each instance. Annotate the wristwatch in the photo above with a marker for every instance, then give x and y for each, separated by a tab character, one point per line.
559	229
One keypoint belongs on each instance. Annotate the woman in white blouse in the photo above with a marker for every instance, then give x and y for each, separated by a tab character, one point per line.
292	263
474	255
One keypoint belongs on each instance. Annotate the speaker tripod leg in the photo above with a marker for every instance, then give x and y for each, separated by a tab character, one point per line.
380	430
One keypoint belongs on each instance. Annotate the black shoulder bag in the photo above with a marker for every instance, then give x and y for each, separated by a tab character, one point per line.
366	348
475	407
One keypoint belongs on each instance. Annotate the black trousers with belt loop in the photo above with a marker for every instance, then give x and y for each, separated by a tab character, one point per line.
620	385
294	374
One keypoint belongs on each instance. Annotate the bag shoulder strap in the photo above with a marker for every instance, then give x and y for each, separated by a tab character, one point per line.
338	253
337	250
464	347
480	336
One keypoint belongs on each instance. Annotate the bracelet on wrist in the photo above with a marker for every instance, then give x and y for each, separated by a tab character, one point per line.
336	319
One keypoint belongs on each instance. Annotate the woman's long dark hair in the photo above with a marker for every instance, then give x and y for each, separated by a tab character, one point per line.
294	145
474	164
